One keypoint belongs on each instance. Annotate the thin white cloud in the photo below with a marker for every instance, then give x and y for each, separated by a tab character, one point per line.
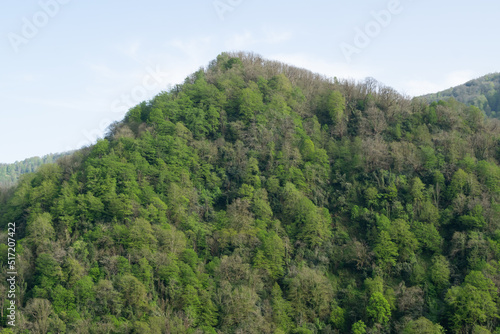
422	87
241	41
459	77
131	50
64	104
193	47
276	37
28	77
247	40
108	79
103	71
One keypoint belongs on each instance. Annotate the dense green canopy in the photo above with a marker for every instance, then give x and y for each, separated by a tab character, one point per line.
261	198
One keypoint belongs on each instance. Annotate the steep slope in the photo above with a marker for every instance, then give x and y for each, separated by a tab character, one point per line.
483	93
261	198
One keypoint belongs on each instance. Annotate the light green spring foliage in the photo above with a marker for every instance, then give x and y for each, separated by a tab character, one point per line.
422	326
359	327
261	198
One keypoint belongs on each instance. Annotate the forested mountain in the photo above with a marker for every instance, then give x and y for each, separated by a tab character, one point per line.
262	198
10	173
483	93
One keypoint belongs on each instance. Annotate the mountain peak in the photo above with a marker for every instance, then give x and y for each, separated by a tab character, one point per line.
258	197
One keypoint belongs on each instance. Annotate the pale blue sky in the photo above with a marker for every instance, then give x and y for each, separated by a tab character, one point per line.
88	61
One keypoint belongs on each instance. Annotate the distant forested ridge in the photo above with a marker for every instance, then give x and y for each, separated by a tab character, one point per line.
9	173
483	93
258	197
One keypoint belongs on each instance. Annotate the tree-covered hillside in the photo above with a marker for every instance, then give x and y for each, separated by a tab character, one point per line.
10	173
483	93
261	198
